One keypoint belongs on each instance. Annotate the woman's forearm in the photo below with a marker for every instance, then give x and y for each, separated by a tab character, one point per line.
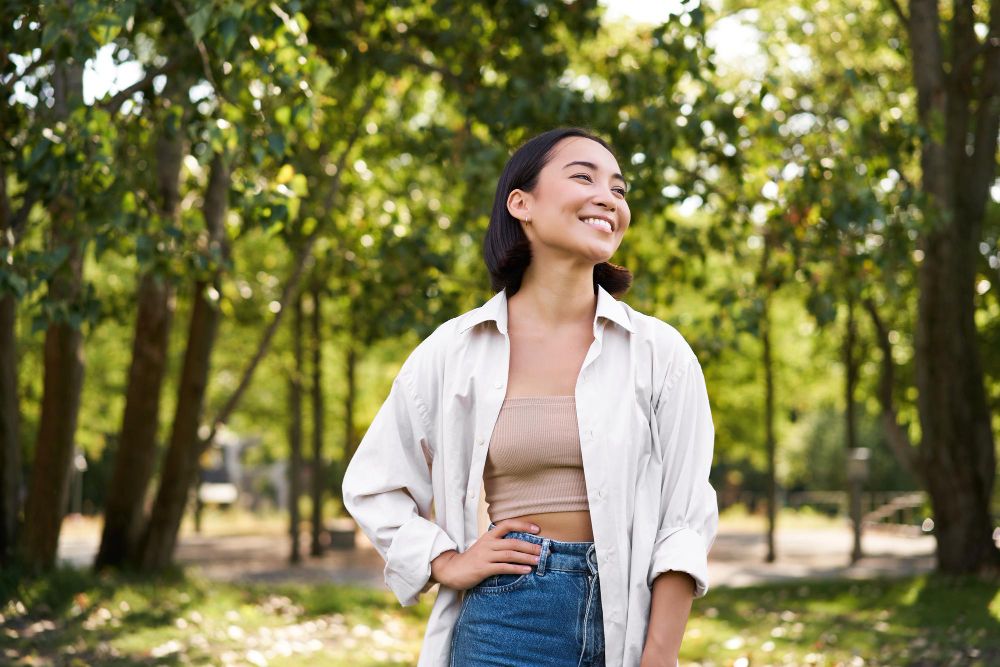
668	615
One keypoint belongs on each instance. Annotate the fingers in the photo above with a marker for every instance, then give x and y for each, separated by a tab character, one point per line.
510	568
511	556
518	545
508	525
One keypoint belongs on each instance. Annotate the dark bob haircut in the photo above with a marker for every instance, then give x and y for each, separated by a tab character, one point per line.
506	248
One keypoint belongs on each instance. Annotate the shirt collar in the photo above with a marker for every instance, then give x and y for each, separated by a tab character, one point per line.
496	310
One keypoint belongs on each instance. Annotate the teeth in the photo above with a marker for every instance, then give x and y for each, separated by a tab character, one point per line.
597	222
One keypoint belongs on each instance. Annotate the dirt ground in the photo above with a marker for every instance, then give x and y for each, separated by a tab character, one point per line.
736	558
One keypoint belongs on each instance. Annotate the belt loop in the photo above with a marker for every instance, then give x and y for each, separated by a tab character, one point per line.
592	558
543	557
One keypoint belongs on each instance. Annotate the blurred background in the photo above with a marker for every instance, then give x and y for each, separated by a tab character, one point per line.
225	223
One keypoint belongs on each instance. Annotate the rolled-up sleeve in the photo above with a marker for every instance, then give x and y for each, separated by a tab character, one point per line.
387	489
689	512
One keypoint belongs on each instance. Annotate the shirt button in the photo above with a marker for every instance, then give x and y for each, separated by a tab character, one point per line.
590	434
479	441
498	384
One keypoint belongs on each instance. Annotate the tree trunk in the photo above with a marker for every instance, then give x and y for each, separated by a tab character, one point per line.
181	461
896	434
295	434
850	386
350	397
63	366
958	163
136	457
765	335
318	470
10	444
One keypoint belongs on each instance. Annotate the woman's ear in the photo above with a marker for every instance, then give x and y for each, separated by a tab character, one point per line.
517	205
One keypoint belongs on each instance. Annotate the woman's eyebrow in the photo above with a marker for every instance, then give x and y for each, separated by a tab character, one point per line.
591	165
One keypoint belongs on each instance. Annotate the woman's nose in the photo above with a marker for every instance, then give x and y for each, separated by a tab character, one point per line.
606	200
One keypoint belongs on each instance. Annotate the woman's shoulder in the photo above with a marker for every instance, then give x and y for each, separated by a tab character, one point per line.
662	336
434	350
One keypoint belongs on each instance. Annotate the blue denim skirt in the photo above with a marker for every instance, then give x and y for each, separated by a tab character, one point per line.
549	616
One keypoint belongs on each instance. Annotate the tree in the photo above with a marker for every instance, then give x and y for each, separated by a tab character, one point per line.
49	487
877	164
958	106
295	384
318	421
181	460
135	461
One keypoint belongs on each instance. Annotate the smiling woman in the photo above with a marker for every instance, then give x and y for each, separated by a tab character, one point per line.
584	423
538	210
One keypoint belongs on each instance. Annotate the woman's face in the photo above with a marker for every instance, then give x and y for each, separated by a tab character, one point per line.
578	206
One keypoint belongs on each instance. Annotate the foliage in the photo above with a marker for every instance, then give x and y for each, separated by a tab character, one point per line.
811	153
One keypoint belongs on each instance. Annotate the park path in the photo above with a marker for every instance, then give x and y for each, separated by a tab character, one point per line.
737	557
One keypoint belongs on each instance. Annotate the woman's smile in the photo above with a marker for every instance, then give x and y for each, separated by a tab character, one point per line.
598	223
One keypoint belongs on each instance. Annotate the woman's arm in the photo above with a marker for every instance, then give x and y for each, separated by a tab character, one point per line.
388	489
668	615
689	516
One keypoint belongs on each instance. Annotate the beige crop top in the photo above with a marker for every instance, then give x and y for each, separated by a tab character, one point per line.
534	463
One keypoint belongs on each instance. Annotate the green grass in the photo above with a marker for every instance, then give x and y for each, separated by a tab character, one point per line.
73	617
925	620
737	518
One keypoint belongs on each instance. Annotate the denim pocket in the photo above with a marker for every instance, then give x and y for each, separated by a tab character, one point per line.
501	583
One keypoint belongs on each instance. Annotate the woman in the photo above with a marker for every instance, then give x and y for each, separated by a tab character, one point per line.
587	424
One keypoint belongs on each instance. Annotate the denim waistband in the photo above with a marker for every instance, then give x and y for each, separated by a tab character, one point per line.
560	556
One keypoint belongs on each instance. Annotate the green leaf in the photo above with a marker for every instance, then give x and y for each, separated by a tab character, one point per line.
277	143
198	21
228	31
283	116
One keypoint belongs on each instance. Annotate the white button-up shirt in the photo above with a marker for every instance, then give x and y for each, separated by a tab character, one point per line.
646	433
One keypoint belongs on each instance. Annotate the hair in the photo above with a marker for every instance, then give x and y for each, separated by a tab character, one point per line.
506	248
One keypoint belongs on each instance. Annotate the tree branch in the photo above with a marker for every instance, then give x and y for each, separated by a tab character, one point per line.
115	101
899	441
32	66
19	219
899	12
202	51
986	121
291	287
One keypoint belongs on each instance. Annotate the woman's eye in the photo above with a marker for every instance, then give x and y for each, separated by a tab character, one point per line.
620	191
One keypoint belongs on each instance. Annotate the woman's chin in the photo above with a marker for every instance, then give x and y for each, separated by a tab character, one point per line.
602	254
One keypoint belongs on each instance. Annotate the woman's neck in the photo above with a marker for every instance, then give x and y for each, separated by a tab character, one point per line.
554	301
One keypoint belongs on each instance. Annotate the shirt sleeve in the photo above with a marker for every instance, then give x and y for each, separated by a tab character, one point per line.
689	511
387	489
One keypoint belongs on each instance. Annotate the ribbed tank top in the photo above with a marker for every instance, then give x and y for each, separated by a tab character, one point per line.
534	463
